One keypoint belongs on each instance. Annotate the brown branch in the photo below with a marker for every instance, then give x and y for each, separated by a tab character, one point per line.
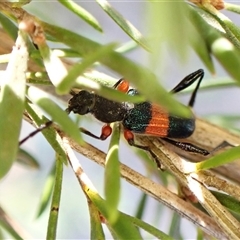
206	135
153	189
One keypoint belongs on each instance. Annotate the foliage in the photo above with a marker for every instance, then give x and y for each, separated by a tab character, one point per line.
50	74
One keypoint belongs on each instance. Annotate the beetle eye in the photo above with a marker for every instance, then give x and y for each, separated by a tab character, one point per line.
81	103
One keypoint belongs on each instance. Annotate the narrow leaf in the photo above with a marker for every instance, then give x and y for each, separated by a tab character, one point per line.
12	97
148	228
220	159
139	75
9	26
107	92
65	52
200	234
141	206
13	232
222	49
231	30
11	226
163	17
127	47
201	48
228	201
175	226
82	13
228	56
112	176
96	225
43	100
53	217
51	63
213	83
232	7
124	24
49	133
122	228
27	159
79	68
47	191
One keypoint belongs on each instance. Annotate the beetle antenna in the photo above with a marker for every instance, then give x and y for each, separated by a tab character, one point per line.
189	80
42	127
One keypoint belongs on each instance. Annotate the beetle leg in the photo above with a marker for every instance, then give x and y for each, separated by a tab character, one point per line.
188	147
106	132
130	139
222	145
187	81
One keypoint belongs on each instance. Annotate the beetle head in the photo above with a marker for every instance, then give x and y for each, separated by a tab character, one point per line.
81	103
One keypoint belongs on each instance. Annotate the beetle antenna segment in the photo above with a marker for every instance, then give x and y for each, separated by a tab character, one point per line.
44	126
189	80
72	92
68	110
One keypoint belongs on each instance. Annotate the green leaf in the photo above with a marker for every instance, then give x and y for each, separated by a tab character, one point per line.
1	234
231	30
228	56
200	47
200	234
9	26
123	228
163	17
78	69
127	47
175	226
96	225
20	3
222	49
138	75
65	52
141	206
55	205
213	83
12	98
44	101
4	58
228	201
107	92
9	225
148	228
127	27
51	63
38	78
201	21
226	121
47	191
26	159
220	159
49	133
82	13
232	7
112	176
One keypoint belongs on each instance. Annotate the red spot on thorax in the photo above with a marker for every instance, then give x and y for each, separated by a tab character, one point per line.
123	86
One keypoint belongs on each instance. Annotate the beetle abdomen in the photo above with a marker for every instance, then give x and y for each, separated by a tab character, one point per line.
180	127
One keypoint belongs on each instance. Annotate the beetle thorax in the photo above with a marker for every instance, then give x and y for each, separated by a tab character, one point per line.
109	111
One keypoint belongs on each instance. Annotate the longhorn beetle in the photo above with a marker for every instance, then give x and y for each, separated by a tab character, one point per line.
140	118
